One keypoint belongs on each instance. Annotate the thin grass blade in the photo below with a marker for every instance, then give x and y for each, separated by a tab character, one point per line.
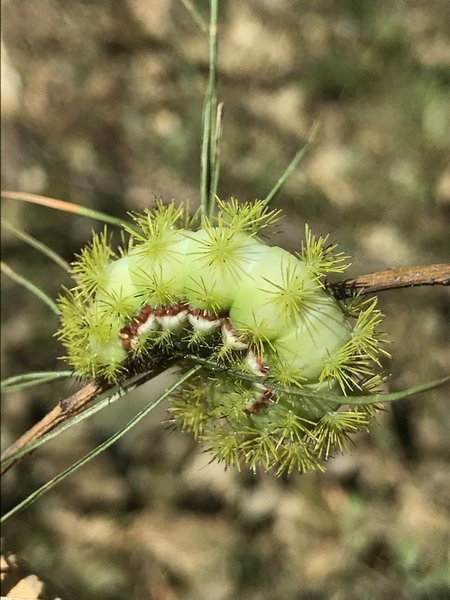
26	380
216	148
34	243
210	138
99	449
196	15
204	157
104	400
64	206
369	399
6	269
292	165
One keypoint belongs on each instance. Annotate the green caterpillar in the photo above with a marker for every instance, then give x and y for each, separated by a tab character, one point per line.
271	337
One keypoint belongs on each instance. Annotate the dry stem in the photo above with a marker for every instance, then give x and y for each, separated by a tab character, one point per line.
392	279
65	409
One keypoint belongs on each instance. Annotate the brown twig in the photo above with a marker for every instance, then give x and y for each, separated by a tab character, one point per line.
366	284
74	405
69	407
392	279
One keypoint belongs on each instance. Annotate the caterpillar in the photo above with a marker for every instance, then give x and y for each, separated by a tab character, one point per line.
280	353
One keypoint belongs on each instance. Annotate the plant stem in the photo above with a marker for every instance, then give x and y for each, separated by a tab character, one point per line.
72	406
65	409
391	279
210	137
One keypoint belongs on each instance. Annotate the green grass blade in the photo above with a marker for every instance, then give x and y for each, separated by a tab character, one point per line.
104	400
393	396
215	144
291	167
210	138
204	157
40	246
26	380
195	14
64	206
6	269
213	57
364	400
96	451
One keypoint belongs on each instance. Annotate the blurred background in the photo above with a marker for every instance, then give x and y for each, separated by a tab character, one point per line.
102	106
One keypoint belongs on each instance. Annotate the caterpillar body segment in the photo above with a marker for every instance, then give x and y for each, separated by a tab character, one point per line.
220	292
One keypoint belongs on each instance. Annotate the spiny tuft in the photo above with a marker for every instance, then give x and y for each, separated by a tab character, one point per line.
320	257
154	229
332	431
246	217
295	294
89	270
223	249
153	289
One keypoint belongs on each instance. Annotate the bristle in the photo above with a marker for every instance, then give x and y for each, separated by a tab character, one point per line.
90	267
320	257
153	287
333	430
201	295
295	294
224	446
155	234
246	217
297	456
222	248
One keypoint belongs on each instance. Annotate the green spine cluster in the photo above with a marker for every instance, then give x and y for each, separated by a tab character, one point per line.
259	317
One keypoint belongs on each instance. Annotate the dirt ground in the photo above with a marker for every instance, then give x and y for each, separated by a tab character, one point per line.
102	106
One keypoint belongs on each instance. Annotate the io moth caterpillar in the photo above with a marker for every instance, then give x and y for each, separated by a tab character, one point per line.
215	291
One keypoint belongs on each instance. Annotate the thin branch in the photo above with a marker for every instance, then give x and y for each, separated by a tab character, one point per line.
392	279
74	405
65	409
